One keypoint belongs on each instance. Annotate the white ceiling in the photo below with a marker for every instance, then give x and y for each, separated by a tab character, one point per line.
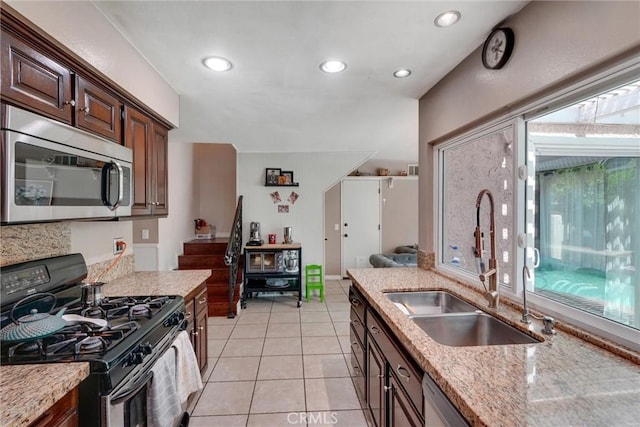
275	98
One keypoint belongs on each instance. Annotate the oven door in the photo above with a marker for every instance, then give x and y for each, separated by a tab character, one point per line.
127	407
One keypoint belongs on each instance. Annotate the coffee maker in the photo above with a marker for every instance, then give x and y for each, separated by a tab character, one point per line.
254	235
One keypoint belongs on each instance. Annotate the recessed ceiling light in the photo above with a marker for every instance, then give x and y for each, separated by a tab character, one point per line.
402	73
447	18
333	66
217	63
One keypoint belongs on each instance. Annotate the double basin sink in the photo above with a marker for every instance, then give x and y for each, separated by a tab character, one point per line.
452	321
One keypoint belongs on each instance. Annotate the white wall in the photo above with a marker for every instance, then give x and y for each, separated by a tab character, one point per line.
316	173
94	239
183	207
81	27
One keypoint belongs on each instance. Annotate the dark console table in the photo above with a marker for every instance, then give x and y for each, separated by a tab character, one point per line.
265	270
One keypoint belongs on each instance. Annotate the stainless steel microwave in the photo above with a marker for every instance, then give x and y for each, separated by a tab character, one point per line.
52	171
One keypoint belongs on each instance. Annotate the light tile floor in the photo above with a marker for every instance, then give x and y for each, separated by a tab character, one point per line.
279	365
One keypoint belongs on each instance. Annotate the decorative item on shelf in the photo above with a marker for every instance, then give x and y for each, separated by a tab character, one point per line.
383	172
272	175
288	177
204	230
402	173
278	177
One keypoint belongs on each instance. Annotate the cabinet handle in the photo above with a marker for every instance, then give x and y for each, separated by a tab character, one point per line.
355	344
374	330
203	300
71	102
355	302
195	333
356	370
400	369
388	388
85	109
187	315
201	328
381	376
355	322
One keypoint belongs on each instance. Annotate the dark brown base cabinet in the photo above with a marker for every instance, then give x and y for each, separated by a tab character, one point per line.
63	413
196	316
391	382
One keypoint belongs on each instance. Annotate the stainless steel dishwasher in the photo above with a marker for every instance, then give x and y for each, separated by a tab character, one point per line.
438	409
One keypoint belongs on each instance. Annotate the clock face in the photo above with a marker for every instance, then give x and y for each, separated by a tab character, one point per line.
497	49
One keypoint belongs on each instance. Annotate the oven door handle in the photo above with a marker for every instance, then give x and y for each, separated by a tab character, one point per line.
127	393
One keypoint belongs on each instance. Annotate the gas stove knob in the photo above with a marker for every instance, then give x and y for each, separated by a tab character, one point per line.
136	358
174	319
145	349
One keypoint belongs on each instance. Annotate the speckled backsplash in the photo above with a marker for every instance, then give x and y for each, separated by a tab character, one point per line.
125	266
426	261
32	241
20	243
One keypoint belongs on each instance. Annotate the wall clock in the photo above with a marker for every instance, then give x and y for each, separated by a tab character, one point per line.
497	48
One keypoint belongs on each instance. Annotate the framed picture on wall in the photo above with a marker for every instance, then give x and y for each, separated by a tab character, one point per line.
288	177
271	176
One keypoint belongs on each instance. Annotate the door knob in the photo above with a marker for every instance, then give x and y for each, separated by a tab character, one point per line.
346	235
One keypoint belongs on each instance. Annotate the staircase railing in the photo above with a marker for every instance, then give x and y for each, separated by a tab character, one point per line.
232	254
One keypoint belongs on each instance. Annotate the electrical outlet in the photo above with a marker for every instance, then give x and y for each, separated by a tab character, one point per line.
145	234
117	248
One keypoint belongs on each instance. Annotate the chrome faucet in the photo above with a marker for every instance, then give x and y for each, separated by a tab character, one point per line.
491	294
548	322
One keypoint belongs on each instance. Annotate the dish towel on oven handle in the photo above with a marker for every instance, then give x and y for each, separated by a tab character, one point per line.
163	403
188	379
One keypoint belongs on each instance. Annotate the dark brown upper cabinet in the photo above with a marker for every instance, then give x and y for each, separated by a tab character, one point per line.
97	111
35	81
148	140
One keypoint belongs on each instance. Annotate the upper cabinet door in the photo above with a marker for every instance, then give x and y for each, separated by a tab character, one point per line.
97	111
159	164
34	81
138	135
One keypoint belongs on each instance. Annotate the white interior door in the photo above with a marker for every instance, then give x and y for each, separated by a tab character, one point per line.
360	222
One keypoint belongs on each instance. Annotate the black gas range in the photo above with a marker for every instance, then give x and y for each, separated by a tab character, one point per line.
120	337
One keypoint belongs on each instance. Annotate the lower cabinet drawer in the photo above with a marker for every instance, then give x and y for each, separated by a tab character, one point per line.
357	366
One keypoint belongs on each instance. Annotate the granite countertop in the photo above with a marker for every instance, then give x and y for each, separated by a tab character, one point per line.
559	382
27	391
180	282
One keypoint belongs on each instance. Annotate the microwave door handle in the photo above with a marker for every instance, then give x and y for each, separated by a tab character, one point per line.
106	184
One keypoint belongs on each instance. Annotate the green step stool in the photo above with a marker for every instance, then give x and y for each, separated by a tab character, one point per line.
314	279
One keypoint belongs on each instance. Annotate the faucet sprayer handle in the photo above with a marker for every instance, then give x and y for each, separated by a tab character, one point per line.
549	325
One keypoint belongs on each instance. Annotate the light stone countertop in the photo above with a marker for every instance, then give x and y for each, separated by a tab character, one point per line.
563	381
180	282
27	391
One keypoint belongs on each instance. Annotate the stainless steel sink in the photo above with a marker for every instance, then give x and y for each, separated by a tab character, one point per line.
430	302
471	329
